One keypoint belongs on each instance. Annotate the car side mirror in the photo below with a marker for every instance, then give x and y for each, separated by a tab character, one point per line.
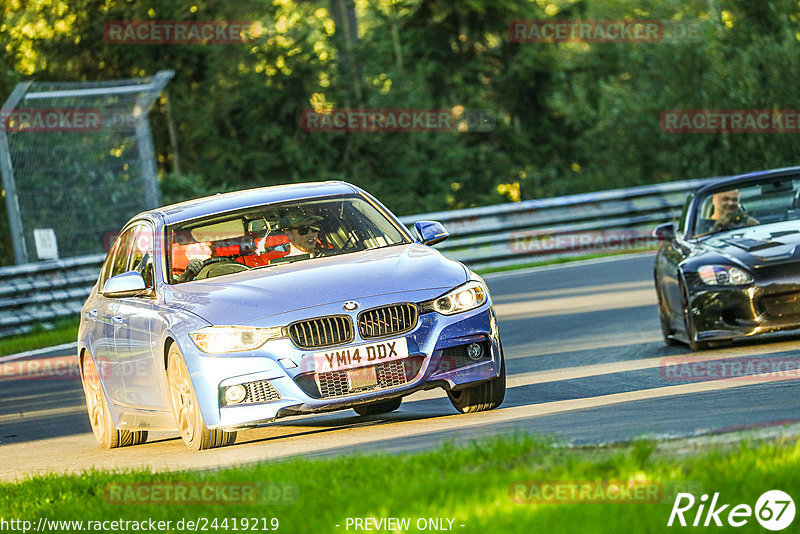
128	284
665	232
430	232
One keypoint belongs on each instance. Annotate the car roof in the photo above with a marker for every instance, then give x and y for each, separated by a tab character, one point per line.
222	202
750	177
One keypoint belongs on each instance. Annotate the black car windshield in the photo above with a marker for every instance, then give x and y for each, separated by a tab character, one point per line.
275	234
769	201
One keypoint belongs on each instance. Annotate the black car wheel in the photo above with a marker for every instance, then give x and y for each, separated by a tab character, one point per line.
485	396
688	321
666	324
379	407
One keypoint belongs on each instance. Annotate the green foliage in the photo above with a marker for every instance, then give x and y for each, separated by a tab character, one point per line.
477	485
571	117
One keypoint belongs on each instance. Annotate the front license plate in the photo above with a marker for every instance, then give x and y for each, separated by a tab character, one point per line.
360	355
363	377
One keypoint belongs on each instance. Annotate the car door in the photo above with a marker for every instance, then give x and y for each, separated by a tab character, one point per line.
136	318
673	254
104	313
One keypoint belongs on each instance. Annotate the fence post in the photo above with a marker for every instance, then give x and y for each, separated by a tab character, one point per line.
7	170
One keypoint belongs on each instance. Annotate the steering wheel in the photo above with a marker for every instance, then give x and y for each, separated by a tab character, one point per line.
351	239
323	252
219	265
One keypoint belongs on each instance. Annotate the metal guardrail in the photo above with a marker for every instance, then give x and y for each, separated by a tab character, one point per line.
618	220
490	236
39	292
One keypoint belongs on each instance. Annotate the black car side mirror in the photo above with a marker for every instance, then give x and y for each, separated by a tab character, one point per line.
665	232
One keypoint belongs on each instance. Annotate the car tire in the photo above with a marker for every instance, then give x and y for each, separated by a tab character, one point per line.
666	325
688	322
103	429
377	408
186	409
485	396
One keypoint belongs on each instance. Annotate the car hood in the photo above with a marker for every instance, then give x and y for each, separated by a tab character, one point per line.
758	245
260	293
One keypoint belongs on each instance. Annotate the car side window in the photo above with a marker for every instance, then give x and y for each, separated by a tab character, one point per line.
142	254
117	261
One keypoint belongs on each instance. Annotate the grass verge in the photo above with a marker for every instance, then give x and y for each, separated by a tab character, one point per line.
56	333
474	485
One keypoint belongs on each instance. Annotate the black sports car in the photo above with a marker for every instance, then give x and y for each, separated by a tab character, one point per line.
730	267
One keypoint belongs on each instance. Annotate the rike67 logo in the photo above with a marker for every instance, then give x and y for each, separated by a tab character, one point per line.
774	510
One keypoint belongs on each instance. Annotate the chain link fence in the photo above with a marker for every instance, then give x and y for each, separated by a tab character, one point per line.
77	162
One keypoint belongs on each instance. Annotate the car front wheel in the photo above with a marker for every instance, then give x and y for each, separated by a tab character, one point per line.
663	317
186	409
485	396
99	417
688	321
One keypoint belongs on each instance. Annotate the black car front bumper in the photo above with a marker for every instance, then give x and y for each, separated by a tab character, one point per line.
731	312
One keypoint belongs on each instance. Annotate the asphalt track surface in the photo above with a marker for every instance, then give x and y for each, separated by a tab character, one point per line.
585	361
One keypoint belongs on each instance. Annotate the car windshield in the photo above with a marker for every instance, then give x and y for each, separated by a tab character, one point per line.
276	234
749	205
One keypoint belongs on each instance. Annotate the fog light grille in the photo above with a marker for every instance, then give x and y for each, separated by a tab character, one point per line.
456	357
260	392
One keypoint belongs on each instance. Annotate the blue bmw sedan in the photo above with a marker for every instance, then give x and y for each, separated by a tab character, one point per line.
231	311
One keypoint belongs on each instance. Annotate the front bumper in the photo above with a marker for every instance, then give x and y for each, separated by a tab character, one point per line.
735	312
436	359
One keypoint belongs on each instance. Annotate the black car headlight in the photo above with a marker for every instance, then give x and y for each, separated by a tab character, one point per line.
467	297
723	275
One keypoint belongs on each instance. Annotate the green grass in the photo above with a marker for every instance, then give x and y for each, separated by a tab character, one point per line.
470	484
555	261
61	331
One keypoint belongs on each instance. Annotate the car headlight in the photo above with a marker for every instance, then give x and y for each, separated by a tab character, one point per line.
471	295
723	275
216	339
